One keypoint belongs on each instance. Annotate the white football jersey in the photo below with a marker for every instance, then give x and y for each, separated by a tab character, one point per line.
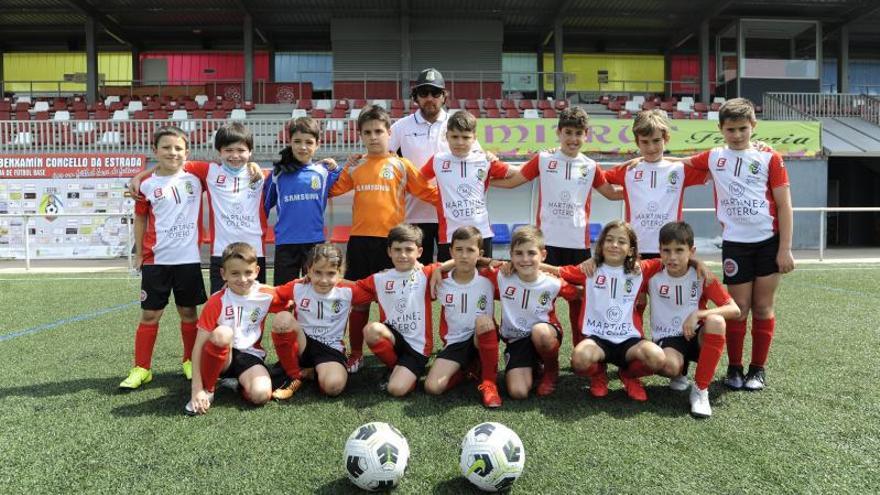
172	204
461	304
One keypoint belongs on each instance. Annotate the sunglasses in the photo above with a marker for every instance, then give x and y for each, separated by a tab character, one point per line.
424	92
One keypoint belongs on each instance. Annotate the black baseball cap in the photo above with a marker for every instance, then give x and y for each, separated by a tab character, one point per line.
430	77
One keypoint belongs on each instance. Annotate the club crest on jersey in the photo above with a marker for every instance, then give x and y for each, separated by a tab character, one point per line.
673	177
614	314
188	187
664	290
721	163
754	167
544	299
736	189
400	305
386	172
695	286
481	302
316	183
481	174
628	285
336	306
600	280
305	303
255	315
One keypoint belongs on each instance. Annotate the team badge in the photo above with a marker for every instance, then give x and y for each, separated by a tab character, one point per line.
731	267
544	299
673	177
736	189
387	173
400	305
628	285
336	306
694	287
481	302
584	170
754	167
255	315
481	174
316	183
188	187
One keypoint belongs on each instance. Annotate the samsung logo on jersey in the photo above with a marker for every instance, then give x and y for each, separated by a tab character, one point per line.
372	187
288	198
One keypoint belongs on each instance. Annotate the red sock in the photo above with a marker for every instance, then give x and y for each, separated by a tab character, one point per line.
762	335
736	336
384	350
710	354
574	316
487	344
550	358
636	369
454	380
287	349
144	341
357	320
595	369
188	333
213	359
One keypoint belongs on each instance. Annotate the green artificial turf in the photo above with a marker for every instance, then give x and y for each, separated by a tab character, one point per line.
66	428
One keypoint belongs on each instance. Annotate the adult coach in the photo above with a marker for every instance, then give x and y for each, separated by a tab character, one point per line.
417	138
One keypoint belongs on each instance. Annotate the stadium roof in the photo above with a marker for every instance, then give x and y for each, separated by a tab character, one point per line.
589	25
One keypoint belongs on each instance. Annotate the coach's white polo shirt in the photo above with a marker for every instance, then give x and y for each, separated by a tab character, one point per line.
418	140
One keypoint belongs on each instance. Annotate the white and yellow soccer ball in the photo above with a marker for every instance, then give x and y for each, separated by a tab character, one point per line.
492	457
376	455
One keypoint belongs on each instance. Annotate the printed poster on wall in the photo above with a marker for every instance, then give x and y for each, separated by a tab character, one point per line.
47	185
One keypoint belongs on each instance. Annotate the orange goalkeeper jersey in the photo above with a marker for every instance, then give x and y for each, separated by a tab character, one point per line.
379	185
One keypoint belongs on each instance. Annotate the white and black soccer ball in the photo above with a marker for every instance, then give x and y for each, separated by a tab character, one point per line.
375	457
492	457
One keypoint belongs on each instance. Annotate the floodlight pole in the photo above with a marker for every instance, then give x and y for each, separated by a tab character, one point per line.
248	93
91	61
705	88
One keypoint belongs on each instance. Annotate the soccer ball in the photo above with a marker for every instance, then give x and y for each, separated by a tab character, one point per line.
375	457
492	457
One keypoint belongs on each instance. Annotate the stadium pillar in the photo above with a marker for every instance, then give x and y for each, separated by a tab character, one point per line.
843	62
558	75
135	65
540	72
704	62
405	51
91	61
248	57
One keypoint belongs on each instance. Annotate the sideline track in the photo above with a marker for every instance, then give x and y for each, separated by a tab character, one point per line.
65	321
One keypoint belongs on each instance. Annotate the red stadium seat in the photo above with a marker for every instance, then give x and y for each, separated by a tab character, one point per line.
544	104
648	105
305	104
22	106
343	104
623	114
228	105
526	104
219	114
397	104
508	104
141	115
471	105
59	104
560	104
701	107
493	113
475	113
679	115
511	113
209	105
41	116
453	104
160	115
550	113
489	103
614	106
319	113
667	106
5	115
81	115
396	113
715	107
339	113
359	104
22	115
5	106
248	105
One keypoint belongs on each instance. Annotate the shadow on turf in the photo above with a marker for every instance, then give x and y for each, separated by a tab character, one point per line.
455	486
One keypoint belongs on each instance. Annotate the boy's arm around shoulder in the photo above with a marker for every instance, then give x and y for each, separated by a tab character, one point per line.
344	183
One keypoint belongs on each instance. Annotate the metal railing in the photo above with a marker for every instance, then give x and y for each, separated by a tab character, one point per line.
822	210
134	136
822	105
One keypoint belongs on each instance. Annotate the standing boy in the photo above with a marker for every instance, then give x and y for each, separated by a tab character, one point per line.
463	176
753	204
166	229
380	182
298	189
567	182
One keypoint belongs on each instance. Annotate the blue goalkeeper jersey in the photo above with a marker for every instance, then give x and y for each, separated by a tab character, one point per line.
301	199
